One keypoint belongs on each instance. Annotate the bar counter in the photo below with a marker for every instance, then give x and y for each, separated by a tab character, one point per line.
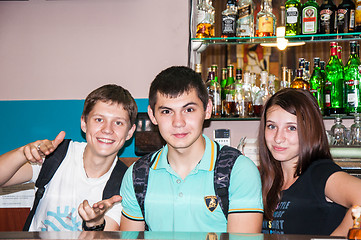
158	235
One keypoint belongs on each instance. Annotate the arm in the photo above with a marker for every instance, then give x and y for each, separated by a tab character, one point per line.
14	165
343	189
245	222
131	225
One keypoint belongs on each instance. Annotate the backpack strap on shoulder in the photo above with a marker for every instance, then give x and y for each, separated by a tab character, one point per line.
48	169
112	186
226	157
140	178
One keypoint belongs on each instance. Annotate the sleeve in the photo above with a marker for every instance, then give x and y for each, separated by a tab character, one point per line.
245	190
36	170
130	204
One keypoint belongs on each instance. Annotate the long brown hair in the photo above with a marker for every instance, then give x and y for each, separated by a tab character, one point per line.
311	135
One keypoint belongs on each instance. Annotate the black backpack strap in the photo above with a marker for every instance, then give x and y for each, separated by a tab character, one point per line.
48	169
140	179
112	186
226	157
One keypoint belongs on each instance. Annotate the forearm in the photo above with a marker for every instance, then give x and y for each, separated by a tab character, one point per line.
10	163
345	225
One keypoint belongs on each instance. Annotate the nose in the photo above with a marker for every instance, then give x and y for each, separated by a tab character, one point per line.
279	136
178	120
107	127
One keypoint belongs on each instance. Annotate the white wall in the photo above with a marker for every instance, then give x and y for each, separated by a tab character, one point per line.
63	49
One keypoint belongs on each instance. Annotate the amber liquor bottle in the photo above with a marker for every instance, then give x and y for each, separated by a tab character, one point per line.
299	82
265	20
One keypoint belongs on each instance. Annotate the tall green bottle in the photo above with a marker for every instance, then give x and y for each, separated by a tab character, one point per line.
352	98
317	82
293	17
334	84
310	17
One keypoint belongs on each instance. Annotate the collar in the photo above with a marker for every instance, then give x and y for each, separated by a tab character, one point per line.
206	163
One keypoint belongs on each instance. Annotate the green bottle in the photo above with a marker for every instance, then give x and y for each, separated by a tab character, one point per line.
310	17
293	17
334	84
223	92
352	98
317	82
230	103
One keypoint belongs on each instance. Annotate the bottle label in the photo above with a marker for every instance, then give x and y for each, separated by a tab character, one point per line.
328	100
342	22
309	20
217	99
244	23
325	20
352	19
229	24
291	15
351	98
265	24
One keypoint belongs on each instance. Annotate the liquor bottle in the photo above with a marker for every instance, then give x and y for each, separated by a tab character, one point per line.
265	20
323	71
238	94
355	131
310	17
254	87
284	83
334	84
223	92
317	82
352	97
229	20
346	16
214	92
214	68
205	19
301	63
358	16
299	82
198	69
230	104
338	132
293	17
306	72
355	232
247	96
245	22
328	17
339	54
239	75
271	84
262	95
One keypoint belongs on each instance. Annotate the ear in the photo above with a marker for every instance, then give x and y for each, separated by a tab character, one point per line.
151	116
209	109
83	124
130	132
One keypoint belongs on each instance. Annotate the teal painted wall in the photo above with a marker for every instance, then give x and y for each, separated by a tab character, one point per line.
26	121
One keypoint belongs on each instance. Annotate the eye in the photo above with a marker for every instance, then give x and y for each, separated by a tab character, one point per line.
270	126
165	111
118	123
292	128
99	120
189	110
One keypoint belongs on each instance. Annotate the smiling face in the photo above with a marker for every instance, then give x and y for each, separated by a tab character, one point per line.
281	135
107	127
180	119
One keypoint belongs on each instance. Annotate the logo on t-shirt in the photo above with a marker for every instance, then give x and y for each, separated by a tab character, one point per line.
211	202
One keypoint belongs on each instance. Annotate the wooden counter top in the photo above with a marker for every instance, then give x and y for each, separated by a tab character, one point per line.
156	235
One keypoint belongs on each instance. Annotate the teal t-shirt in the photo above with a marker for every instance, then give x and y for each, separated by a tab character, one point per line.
174	204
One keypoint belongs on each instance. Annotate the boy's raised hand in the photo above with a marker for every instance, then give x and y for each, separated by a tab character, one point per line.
94	215
36	151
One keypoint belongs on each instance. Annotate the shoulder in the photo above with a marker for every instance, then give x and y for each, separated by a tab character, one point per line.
323	167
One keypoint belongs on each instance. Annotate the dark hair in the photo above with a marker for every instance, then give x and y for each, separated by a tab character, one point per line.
311	133
175	81
113	94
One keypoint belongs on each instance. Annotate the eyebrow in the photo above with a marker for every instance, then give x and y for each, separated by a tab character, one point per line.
286	122
184	106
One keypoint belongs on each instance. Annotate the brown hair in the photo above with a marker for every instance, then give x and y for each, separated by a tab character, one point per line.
114	94
175	81
311	133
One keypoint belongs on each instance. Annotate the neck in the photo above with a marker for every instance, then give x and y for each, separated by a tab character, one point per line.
96	166
183	161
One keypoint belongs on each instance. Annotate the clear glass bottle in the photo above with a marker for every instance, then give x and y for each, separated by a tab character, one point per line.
284	83
247	96
352	94
205	19
245	22
262	95
265	20
299	82
338	132
271	84
214	92
238	94
310	17
229	20
355	129
293	17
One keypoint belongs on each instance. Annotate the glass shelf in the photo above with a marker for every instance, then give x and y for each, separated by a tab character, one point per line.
273	39
257	118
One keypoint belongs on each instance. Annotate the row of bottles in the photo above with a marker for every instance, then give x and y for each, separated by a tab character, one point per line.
309	18
238	96
336	87
340	135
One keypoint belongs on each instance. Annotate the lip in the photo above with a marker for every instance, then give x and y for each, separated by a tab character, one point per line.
279	149
180	135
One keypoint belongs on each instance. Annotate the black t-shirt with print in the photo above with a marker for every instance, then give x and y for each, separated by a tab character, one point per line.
303	208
